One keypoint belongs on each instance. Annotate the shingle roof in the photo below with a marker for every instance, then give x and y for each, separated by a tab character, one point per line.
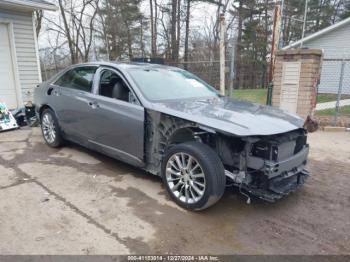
39	1
319	33
34	4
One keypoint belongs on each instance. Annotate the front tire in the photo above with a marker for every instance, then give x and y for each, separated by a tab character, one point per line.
193	175
50	129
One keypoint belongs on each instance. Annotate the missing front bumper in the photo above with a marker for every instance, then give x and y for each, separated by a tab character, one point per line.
279	187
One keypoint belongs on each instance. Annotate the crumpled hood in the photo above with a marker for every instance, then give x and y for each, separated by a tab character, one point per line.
233	116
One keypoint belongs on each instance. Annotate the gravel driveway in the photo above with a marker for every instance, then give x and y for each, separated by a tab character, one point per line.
75	201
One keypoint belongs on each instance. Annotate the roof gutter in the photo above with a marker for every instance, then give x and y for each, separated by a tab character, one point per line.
29	5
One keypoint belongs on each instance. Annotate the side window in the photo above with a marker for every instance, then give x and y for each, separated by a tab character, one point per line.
113	86
79	78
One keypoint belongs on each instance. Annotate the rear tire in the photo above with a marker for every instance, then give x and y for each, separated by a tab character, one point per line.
50	129
193	175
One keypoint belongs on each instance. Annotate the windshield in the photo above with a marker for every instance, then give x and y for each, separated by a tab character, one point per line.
170	84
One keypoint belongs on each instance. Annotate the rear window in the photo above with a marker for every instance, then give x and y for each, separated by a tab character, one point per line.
80	78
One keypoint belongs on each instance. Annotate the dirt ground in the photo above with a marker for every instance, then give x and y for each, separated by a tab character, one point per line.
75	201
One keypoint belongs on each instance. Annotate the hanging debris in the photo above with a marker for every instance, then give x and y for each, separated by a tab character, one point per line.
26	115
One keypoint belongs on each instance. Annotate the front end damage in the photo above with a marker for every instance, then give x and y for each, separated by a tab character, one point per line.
269	167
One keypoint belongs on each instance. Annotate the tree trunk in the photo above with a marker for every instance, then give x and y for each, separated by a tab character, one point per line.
266	39
239	45
142	46
173	30
178	29
152	29
38	21
129	44
155	28
187	32
88	43
67	31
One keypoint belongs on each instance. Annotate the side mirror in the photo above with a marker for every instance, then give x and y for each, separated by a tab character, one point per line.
132	99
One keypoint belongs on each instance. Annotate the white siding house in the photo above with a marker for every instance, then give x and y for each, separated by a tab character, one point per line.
335	43
19	60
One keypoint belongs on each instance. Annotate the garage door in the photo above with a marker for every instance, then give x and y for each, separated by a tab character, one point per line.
8	92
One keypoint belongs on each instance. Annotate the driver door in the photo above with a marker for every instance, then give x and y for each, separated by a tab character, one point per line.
117	118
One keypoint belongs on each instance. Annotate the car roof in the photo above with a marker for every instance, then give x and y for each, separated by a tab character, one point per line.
130	65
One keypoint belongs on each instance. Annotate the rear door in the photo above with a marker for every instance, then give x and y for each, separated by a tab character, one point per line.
74	93
117	125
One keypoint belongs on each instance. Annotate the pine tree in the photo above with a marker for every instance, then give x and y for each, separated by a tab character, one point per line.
124	24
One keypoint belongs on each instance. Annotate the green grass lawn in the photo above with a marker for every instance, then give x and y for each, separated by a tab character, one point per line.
344	111
322	98
252	95
259	96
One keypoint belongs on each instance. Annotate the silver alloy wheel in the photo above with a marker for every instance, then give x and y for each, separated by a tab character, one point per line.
185	178
49	129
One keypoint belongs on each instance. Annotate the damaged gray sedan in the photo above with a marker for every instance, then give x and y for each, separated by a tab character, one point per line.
172	124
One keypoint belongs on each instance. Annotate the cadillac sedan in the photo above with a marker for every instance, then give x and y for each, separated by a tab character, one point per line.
172	124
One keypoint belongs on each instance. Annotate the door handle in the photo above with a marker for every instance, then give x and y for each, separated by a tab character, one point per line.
94	104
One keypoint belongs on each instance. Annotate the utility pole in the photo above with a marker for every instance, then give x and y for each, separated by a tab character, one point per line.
304	24
222	54
281	43
275	39
276	34
337	105
232	69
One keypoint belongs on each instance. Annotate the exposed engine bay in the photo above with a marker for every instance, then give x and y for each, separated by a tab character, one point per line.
270	167
267	167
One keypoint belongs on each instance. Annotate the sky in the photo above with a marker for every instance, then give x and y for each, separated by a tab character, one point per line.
202	13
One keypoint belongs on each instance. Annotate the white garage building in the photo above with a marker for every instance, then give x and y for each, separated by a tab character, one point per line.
19	60
335	43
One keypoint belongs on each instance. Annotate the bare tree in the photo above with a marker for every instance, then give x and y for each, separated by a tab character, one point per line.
174	5
76	24
38	16
187	30
154	39
164	33
178	29
103	31
154	20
